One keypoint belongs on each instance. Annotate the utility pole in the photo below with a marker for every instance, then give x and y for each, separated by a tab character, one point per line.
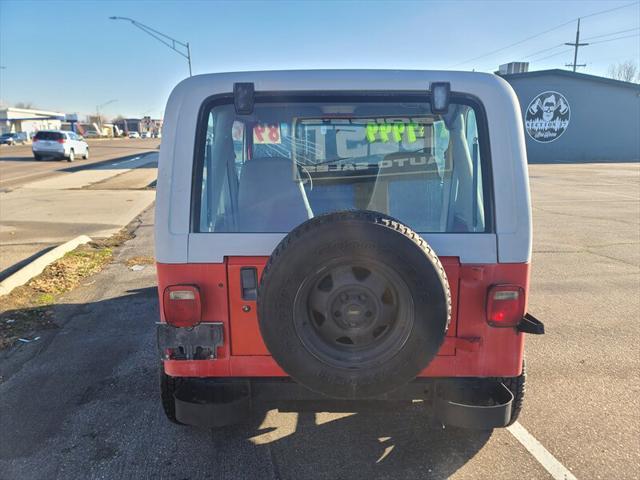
575	52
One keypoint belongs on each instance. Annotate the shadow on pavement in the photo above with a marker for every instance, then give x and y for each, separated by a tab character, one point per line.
385	444
118	163
85	401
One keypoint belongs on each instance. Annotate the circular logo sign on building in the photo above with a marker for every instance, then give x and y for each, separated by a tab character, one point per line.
547	116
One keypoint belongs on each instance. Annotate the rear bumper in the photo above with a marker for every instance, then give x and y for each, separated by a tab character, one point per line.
57	153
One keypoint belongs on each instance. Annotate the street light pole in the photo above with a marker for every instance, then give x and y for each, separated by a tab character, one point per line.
170	42
98	107
189	57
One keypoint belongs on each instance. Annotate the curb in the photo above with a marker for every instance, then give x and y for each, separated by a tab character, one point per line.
36	267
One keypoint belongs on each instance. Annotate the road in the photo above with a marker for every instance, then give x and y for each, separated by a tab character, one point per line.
43	204
17	165
82	402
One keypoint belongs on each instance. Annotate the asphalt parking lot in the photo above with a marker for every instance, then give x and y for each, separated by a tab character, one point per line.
82	402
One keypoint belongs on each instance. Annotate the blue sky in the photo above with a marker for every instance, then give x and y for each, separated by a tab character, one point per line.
68	56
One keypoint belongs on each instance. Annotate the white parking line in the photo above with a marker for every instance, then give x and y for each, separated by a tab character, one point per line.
541	454
126	161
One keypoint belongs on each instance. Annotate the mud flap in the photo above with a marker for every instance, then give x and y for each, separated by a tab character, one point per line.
202	403
472	404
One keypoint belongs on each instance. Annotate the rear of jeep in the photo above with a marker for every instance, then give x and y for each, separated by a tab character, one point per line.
343	235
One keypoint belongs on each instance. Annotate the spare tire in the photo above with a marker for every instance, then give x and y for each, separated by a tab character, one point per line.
353	304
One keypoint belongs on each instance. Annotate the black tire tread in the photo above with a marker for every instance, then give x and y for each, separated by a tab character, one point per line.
364	216
168	386
517	386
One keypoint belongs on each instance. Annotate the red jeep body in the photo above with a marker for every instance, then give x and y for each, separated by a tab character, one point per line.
203	267
472	347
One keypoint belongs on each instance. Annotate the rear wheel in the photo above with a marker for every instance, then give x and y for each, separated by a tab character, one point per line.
72	156
37	157
168	386
86	154
517	387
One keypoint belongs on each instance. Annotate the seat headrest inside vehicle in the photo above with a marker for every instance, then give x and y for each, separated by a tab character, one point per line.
271	198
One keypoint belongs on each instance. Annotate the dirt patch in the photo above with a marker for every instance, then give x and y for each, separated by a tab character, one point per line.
65	274
30	307
140	260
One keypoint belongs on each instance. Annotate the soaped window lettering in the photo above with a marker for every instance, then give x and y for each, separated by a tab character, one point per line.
366	139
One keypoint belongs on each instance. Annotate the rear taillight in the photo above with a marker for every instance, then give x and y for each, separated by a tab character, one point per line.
61	140
181	304
505	305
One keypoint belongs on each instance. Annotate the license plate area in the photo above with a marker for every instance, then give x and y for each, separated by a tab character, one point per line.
195	343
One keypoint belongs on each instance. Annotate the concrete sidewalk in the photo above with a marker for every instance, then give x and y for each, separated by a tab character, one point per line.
96	202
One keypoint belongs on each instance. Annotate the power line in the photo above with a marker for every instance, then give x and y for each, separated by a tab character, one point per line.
588	38
544	50
592	43
613	33
513	44
543	33
617	38
610	10
552	55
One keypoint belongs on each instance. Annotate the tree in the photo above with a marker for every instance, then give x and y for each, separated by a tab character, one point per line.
625	71
25	105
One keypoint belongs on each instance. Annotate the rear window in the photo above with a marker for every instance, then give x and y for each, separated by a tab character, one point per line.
49	136
287	162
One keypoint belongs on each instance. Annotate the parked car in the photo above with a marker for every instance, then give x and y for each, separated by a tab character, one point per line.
134	135
92	134
59	144
145	135
343	235
157	135
13	138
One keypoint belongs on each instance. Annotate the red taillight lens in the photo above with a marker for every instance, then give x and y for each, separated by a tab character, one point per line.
505	305
181	304
61	140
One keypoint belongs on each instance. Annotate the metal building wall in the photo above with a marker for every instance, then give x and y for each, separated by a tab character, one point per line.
604	123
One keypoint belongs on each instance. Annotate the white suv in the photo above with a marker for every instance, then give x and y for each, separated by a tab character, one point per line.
59	144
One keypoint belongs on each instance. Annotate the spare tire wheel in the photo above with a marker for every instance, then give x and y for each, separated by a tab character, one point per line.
353	304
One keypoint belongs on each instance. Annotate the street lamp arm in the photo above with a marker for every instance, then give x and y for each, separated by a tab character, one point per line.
148	29
171	45
107	103
161	37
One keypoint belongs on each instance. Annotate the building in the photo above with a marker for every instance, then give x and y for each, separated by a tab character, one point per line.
126	125
574	117
152	125
29	120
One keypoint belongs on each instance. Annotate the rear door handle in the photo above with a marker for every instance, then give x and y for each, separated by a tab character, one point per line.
249	283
